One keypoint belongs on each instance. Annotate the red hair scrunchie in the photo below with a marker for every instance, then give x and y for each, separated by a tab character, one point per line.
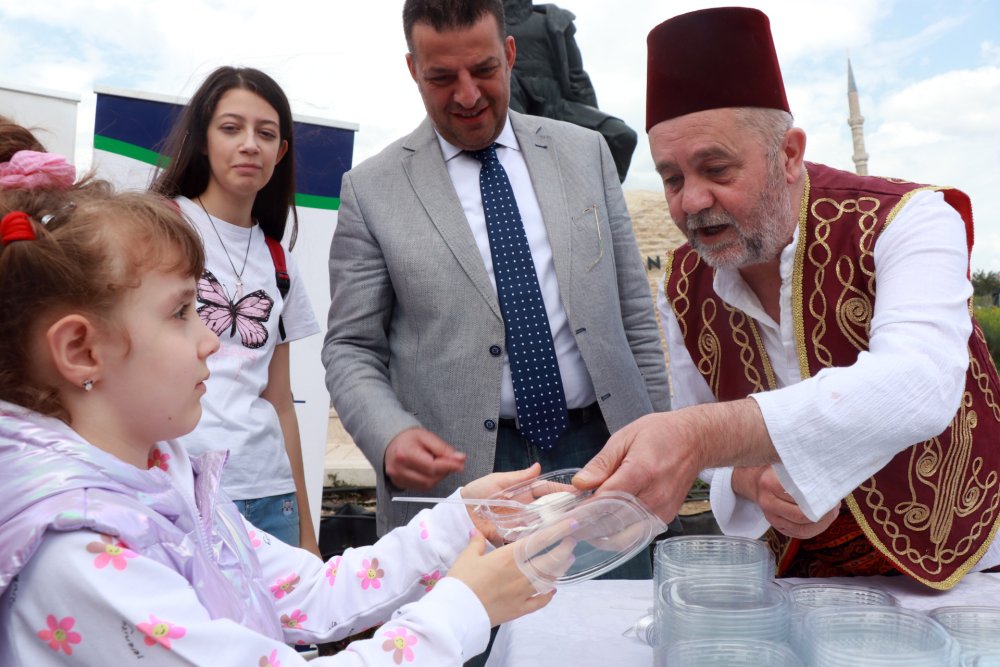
16	226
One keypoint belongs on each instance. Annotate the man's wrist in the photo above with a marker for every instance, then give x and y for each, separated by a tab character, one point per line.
744	481
731	433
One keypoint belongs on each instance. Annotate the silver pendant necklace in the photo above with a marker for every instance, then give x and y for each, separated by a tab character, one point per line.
239	274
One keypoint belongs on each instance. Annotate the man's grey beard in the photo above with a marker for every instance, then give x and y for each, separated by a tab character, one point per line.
762	236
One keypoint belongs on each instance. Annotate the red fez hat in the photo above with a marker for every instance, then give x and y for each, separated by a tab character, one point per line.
712	59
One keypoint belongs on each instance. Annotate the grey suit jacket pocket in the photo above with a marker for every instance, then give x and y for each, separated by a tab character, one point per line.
591	235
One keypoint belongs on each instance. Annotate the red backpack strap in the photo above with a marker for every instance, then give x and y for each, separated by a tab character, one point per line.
280	274
280	270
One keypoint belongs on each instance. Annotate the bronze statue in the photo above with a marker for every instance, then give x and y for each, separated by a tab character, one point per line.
549	80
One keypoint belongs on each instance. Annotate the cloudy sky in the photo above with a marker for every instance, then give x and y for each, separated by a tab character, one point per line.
928	71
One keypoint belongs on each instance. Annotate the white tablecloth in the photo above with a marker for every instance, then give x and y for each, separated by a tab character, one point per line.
586	623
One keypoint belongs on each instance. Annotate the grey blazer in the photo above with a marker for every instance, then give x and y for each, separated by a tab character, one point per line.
413	313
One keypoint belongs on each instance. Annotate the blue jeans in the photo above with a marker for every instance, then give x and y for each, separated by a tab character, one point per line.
275	515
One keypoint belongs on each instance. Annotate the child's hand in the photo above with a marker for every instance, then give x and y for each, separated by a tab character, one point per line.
484	487
496	580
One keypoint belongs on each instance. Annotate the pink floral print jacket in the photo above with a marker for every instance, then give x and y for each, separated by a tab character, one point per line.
103	564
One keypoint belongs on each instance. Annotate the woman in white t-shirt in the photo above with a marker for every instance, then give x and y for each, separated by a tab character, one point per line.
232	172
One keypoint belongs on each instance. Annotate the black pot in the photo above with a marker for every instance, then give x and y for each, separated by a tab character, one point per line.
349	526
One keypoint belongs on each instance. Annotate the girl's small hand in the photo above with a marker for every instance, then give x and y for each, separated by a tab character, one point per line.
484	487
490	485
496	580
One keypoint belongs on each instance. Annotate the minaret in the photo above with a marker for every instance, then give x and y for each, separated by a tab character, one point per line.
856	121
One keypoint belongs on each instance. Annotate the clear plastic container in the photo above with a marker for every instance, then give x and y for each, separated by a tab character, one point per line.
721	608
721	555
976	629
688	555
875	637
728	653
808	596
585	538
813	595
544	498
565	535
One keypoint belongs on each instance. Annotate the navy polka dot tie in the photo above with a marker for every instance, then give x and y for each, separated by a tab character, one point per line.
538	389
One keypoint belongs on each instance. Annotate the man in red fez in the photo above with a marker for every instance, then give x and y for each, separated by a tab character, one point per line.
828	378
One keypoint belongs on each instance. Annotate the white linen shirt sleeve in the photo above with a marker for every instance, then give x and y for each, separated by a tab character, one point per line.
136	608
836	429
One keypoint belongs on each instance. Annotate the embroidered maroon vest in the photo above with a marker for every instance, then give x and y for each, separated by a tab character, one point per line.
932	511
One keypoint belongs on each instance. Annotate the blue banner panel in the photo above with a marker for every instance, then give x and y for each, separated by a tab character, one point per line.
322	155
139	122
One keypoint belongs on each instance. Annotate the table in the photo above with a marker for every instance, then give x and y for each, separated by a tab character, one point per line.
589	623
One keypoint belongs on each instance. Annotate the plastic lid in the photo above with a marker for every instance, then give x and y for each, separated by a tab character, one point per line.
565	534
585	538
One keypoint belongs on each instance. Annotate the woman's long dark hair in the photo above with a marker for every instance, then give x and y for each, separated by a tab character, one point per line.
188	170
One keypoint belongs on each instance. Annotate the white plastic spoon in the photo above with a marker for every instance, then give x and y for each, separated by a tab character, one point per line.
494	502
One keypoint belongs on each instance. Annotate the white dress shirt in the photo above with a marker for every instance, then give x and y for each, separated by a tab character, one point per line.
464	171
838	428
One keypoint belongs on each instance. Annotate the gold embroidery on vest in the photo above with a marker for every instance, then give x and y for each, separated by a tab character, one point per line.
868	209
738	322
943	469
854	308
666	292
930	466
772	382
797	273
819	255
681	305
981	377
894	556
708	346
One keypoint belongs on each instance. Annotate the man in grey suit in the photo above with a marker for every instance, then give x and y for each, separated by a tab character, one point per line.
416	352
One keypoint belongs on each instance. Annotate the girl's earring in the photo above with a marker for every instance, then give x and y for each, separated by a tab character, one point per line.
88	385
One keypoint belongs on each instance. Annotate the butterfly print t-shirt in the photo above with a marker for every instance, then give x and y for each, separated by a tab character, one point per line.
234	416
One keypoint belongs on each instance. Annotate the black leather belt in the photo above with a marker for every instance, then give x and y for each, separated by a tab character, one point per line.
577	416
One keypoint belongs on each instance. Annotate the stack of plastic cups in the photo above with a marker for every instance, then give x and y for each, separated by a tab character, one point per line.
731	653
809	596
875	637
719	607
711	554
976	629
703	554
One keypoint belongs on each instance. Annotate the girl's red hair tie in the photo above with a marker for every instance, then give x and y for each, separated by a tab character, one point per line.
16	226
